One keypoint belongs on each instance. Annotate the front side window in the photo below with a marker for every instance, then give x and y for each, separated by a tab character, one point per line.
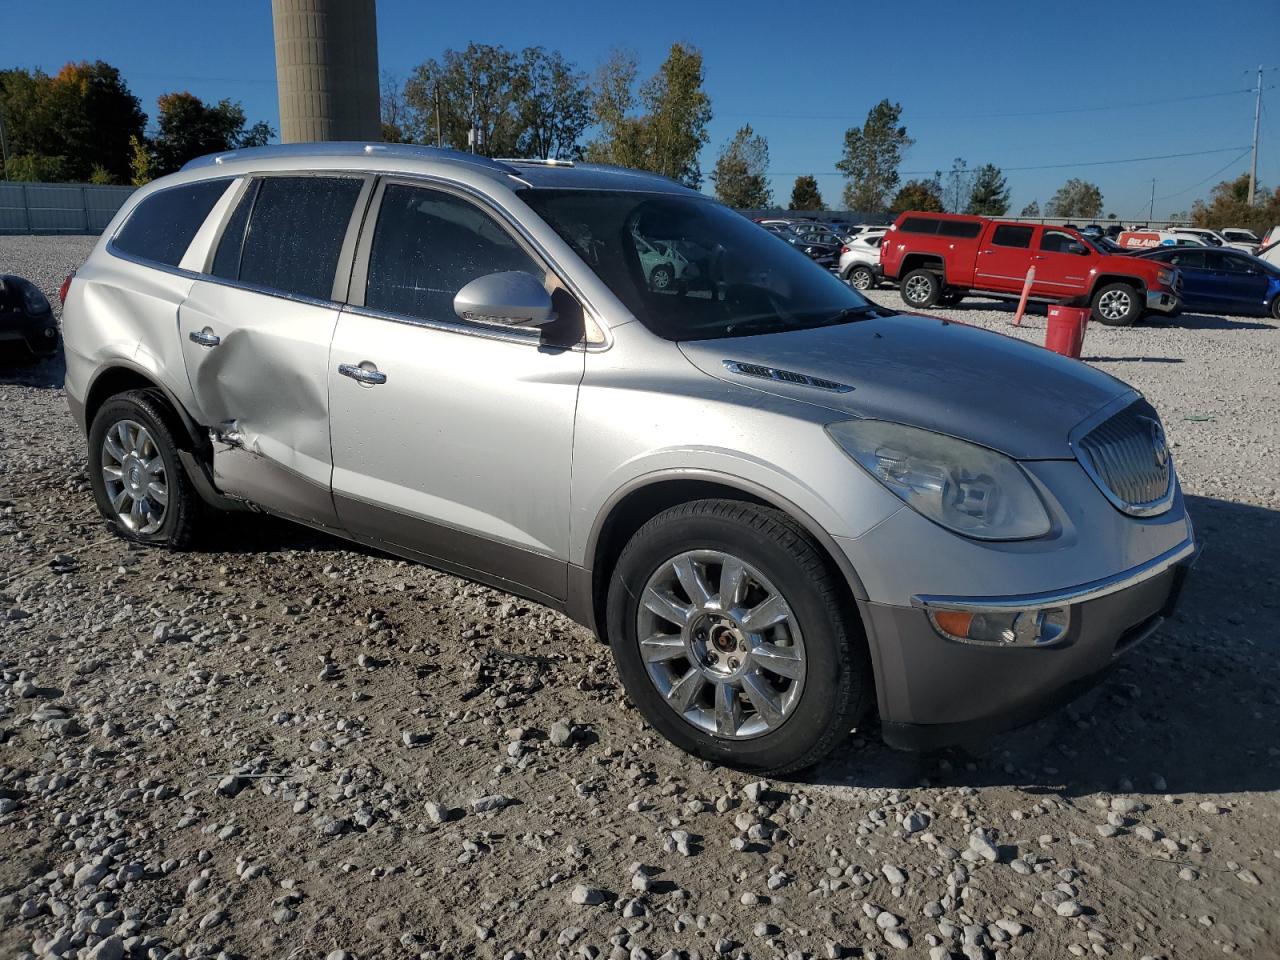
428	245
287	234
689	268
163	225
1012	235
1055	241
1185	259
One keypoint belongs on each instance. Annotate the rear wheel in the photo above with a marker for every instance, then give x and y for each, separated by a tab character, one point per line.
950	298
1117	305
1275	307
861	277
921	288
733	639
138	482
662	277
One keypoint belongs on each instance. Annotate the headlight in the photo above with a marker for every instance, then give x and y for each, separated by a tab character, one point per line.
964	487
1164	278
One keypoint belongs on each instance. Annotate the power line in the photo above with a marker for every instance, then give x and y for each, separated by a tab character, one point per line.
1226	166
994	116
1043	166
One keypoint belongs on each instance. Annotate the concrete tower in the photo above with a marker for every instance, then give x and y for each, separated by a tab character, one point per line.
327	69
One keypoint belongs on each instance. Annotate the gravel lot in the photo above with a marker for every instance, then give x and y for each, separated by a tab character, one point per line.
287	746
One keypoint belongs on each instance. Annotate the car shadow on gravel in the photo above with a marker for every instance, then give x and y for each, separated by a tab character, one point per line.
1193	709
1207	321
17	367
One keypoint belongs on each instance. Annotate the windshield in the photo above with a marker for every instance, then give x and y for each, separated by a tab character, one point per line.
692	269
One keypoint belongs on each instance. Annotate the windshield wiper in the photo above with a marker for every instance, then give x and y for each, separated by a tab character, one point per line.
850	313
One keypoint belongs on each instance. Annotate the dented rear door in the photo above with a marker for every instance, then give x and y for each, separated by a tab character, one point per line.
256	334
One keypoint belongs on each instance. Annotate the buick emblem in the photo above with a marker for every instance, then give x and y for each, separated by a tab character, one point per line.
1159	446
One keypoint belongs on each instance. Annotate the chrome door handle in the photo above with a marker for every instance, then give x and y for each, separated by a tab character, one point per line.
205	337
362	374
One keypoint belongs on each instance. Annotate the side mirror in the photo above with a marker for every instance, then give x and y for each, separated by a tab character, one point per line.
509	299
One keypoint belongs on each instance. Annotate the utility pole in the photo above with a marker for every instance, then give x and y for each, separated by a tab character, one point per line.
1253	166
439	134
4	147
1151	213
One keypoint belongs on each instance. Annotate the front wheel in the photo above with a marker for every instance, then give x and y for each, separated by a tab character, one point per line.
662	277
921	288
138	482
1117	305
733	638
861	278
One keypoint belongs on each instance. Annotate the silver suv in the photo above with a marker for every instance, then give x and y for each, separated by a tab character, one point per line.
781	505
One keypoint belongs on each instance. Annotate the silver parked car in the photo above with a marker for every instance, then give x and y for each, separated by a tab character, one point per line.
781	505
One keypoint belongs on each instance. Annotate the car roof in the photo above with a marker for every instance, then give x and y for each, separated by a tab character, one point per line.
411	158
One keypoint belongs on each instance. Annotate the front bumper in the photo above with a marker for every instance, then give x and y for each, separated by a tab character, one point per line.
1163	301
935	691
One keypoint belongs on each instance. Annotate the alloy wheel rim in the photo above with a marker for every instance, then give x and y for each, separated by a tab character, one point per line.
861	279
134	476
721	644
661	278
917	289
1113	304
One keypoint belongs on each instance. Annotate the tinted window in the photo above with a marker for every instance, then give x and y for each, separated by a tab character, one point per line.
427	246
919	225
1190	259
226	261
295	234
959	228
1225	261
1055	241
163	225
1012	235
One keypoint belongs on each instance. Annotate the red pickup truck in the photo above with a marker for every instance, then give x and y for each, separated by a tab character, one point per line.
938	258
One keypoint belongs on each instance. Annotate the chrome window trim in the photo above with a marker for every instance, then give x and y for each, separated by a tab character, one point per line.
1082	429
530	337
360	263
1185	552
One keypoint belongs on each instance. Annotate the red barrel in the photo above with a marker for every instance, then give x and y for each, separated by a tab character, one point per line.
1065	333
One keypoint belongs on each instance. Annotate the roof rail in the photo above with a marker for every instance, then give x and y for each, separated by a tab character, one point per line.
536	161
350	148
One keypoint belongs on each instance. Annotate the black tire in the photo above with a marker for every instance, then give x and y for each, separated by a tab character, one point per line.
1118	304
1275	307
837	689
921	288
861	277
184	510
662	277
950	298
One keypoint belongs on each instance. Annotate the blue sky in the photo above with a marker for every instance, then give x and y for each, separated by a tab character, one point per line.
1019	84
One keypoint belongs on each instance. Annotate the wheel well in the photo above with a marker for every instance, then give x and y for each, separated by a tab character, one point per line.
916	261
1134	282
121	379
640	506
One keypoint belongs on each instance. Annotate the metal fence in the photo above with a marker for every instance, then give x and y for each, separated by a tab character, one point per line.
58	207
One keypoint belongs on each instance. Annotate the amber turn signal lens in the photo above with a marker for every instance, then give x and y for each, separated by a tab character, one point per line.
954	622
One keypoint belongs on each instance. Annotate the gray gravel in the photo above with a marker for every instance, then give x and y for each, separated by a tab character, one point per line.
283	745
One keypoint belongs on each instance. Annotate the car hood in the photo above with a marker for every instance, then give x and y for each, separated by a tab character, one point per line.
949	377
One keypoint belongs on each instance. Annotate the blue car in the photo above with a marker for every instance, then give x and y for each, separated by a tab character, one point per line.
1223	281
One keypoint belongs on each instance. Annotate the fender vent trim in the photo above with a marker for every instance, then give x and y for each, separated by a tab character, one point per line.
762	372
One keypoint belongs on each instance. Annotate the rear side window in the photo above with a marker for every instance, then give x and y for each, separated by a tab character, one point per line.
1012	235
1190	259
968	229
427	246
162	226
294	234
919	225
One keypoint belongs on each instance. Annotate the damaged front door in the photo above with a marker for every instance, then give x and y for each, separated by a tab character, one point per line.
256	337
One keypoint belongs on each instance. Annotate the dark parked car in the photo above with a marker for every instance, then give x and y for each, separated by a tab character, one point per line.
26	317
825	254
1219	280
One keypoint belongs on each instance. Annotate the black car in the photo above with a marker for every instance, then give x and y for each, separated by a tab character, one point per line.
1216	280
26	317
825	254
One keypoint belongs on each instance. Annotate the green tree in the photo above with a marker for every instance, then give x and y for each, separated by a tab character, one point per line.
466	89
1075	198
741	172
393	111
1229	206
872	155
189	128
925	195
140	172
990	194
553	105
668	134
805	194
68	124
1032	209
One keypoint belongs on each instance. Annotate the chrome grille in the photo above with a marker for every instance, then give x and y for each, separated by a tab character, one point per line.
1128	458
